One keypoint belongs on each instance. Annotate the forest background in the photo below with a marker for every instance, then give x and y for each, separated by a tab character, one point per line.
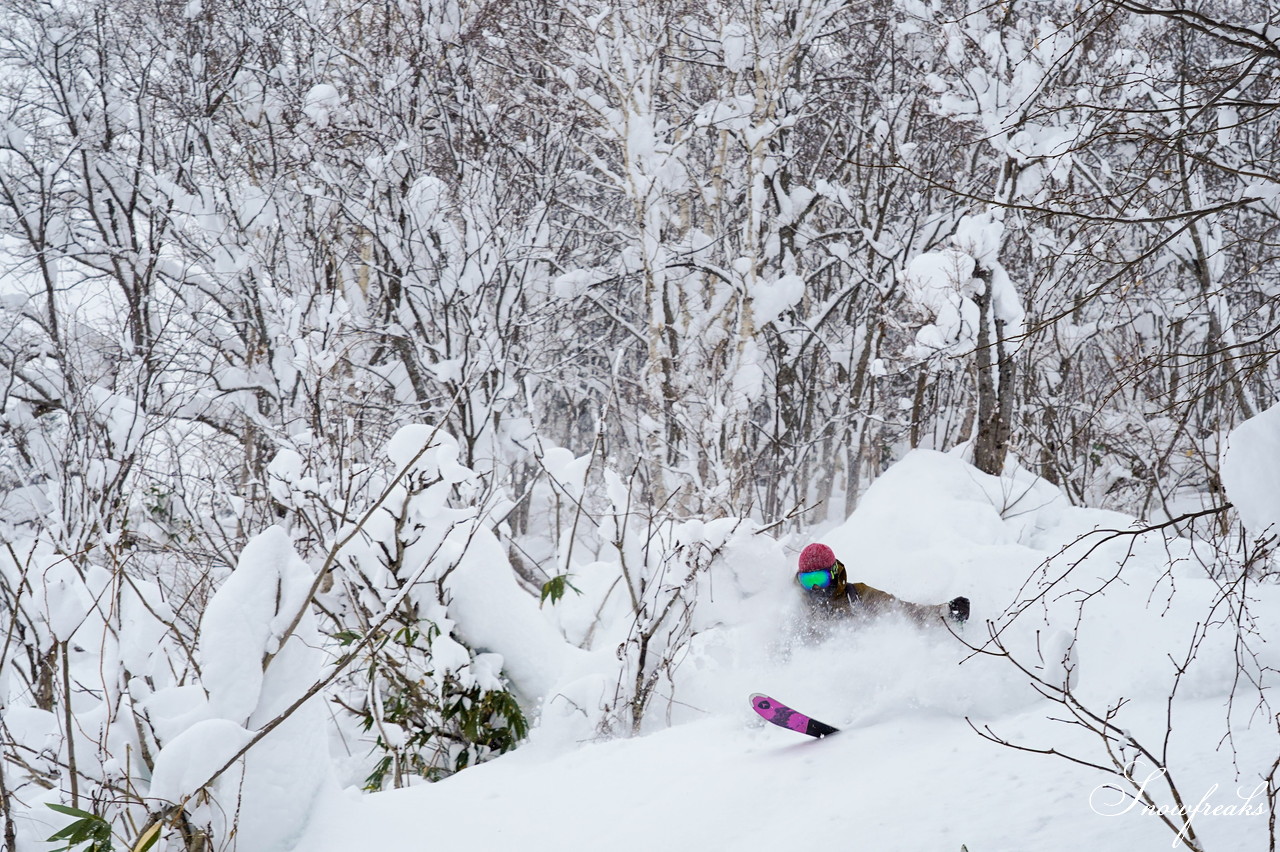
348	294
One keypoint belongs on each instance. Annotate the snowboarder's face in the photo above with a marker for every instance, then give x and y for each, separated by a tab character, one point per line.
824	580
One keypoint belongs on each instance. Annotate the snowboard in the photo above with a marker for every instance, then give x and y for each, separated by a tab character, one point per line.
772	710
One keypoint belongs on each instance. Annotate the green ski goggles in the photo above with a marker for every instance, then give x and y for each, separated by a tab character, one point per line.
811	580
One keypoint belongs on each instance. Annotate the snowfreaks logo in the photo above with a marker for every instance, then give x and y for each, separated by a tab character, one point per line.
1107	800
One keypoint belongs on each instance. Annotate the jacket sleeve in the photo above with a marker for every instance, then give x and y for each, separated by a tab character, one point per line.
872	601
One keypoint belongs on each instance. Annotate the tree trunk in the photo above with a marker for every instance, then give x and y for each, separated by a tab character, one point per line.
995	385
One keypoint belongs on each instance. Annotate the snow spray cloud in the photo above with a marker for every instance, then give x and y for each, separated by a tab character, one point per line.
1124	802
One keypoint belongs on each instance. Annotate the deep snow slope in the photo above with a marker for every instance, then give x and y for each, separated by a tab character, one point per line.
1114	613
920	781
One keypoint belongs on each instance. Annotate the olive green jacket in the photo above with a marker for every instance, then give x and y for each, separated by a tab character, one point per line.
858	600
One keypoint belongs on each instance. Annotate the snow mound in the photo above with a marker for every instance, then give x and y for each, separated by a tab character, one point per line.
1250	471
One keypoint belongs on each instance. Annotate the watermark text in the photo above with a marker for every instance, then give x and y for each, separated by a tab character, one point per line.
1109	800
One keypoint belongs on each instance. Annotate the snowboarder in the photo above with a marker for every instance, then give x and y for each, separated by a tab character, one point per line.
829	593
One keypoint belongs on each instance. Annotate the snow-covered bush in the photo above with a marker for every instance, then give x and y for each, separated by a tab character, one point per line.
425	705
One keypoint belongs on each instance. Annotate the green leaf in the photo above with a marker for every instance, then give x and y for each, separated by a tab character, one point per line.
75	832
87	828
554	588
347	637
406	636
70	811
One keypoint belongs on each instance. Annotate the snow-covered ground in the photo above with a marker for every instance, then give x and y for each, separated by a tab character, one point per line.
918	781
908	771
